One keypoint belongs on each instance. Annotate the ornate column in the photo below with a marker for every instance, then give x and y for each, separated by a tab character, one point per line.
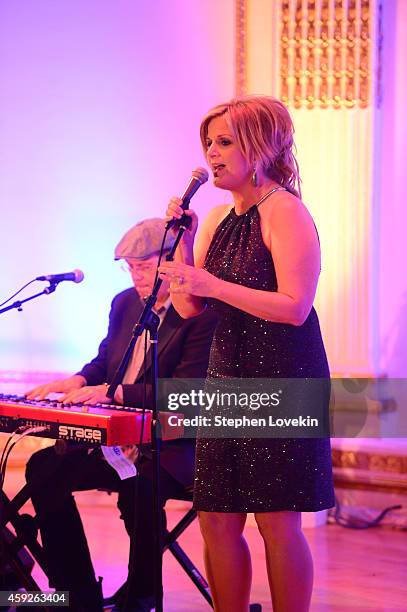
320	58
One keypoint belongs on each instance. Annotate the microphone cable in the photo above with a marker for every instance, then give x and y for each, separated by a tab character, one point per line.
160	256
132	550
21	432
357	522
17	292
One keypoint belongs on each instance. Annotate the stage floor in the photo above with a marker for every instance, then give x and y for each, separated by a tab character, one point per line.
355	571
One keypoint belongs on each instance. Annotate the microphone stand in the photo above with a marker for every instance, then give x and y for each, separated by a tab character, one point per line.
18	304
150	321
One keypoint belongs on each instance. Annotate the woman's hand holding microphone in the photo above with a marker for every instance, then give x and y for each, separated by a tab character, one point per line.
182	275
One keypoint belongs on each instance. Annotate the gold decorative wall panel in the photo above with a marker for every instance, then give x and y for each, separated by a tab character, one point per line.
324	50
320	57
325	53
241	46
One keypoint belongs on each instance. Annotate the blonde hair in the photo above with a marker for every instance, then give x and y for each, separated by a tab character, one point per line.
263	129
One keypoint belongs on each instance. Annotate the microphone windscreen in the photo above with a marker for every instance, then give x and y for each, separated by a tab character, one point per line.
79	276
201	174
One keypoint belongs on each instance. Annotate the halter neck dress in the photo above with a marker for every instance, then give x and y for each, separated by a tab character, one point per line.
260	474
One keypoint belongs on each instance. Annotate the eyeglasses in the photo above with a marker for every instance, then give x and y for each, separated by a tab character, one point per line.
140	268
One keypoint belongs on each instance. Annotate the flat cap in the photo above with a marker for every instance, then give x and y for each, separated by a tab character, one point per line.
144	240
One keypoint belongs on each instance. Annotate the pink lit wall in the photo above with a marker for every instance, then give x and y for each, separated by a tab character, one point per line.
392	194
100	103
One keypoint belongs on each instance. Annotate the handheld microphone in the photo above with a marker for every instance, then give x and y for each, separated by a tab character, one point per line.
198	178
76	276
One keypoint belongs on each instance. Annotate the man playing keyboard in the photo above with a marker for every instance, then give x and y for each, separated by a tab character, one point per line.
183	350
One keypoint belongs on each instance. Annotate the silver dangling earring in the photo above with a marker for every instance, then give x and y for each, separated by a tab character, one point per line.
254	177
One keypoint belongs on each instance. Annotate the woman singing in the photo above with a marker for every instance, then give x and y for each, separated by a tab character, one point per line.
256	262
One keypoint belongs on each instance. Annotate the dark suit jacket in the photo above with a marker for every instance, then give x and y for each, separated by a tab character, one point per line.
183	352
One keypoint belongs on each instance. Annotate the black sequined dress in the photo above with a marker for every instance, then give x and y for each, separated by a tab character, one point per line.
260	474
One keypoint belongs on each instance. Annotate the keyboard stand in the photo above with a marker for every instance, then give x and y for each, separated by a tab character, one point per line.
15	547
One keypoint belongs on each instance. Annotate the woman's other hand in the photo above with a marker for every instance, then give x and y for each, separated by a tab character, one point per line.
184	278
